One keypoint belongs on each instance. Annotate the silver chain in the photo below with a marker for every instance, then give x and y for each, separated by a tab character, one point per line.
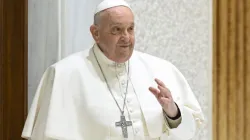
121	110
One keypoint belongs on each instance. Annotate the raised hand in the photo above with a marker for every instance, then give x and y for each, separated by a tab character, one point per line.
164	97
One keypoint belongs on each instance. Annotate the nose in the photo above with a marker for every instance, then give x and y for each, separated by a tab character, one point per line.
125	37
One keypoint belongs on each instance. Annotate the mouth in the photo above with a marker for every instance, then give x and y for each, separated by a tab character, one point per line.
124	46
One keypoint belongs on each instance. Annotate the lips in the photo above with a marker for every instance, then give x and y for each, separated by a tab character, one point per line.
124	46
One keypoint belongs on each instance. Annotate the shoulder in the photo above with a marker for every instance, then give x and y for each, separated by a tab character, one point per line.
161	67
153	61
71	63
158	65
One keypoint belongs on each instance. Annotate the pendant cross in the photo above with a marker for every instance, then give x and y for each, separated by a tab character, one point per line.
124	124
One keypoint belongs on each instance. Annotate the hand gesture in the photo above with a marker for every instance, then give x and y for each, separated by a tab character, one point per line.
164	97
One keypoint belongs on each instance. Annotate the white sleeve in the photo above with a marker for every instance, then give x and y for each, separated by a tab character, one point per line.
192	117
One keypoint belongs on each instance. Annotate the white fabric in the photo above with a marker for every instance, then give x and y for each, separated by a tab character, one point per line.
105	4
73	103
117	78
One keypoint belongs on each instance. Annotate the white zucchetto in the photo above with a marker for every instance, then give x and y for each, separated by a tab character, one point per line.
106	4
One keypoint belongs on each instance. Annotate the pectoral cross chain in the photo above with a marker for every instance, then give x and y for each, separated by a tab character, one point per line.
124	124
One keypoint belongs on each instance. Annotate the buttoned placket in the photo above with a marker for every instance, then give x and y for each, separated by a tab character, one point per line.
132	106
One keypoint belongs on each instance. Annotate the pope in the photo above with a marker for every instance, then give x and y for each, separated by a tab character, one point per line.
113	92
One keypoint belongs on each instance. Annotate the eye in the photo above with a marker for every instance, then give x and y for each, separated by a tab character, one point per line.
116	30
131	29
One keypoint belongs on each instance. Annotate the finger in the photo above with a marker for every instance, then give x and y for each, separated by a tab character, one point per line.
159	82
164	91
155	91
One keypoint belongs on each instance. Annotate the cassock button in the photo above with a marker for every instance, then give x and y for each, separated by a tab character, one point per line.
123	83
120	74
119	65
136	130
112	64
128	100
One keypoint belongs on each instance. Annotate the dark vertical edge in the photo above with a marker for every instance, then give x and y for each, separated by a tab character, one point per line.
25	97
1	71
13	69
215	70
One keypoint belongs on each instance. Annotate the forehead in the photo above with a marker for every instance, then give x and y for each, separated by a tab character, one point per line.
119	14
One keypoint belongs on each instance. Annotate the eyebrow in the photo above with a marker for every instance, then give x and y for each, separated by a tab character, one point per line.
117	23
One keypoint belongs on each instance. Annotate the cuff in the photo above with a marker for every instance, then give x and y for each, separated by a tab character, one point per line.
177	116
173	122
187	127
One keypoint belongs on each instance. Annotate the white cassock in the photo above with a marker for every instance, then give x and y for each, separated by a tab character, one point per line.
73	102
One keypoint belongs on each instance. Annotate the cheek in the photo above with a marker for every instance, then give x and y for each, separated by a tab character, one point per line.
109	41
104	39
132	39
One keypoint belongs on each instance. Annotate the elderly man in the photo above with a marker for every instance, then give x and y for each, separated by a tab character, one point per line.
111	92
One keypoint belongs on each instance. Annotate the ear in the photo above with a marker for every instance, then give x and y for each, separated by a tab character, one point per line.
95	33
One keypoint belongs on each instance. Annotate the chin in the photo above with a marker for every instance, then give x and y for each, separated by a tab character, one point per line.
124	54
124	58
